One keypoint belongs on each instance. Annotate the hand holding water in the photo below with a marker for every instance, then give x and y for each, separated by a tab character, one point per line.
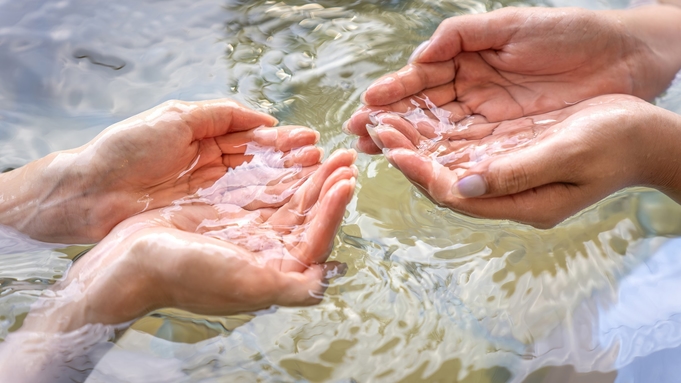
537	170
220	258
234	247
142	163
518	62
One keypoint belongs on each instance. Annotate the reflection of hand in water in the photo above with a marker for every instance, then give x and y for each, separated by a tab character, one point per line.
270	251
541	169
517	62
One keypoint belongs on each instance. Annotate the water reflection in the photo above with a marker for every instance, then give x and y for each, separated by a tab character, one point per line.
429	295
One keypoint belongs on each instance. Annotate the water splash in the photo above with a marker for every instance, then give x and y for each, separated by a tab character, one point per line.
243	199
458	142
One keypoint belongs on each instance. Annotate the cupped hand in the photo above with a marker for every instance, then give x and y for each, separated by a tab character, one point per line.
163	154
537	170
517	62
237	247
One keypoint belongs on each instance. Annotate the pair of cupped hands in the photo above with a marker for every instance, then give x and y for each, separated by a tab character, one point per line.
533	120
531	114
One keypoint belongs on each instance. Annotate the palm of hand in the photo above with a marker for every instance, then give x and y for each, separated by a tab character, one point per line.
508	64
539	170
258	237
287	214
171	151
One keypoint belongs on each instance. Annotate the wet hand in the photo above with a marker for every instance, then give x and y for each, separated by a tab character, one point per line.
517	62
228	249
537	170
168	152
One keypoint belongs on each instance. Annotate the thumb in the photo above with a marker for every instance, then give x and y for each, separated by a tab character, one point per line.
307	288
514	173
468	33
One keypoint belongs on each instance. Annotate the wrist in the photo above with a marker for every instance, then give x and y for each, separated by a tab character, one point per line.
33	202
652	34
56	199
130	285
112	284
660	151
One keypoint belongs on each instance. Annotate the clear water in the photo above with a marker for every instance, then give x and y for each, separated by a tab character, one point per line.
429	295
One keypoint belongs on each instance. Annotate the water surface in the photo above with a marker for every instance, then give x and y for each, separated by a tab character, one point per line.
429	295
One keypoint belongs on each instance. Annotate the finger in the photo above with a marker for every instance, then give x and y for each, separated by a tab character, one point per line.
281	138
276	194
344	173
293	213
400	125
542	207
361	118
395	132
431	107
366	116
387	137
433	178
295	175
305	156
254	187
468	33
548	162
304	288
313	242
215	118
409	81
433	98
366	145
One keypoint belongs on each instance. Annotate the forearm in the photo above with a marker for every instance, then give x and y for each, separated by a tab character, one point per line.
658	58
70	327
54	357
45	200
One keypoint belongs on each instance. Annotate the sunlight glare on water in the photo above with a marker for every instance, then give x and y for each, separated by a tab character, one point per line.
429	295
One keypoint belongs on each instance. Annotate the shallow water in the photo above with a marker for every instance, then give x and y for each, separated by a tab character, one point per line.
429	295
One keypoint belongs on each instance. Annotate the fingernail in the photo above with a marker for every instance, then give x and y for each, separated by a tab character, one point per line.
374	136
417	52
362	98
332	270
344	127
306	150
266	134
385	81
299	132
469	187
387	153
354	154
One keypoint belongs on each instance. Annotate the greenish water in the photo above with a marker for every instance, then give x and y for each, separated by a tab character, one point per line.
429	295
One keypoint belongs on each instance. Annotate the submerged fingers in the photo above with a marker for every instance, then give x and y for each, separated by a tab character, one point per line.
308	194
303	156
312	243
281	138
